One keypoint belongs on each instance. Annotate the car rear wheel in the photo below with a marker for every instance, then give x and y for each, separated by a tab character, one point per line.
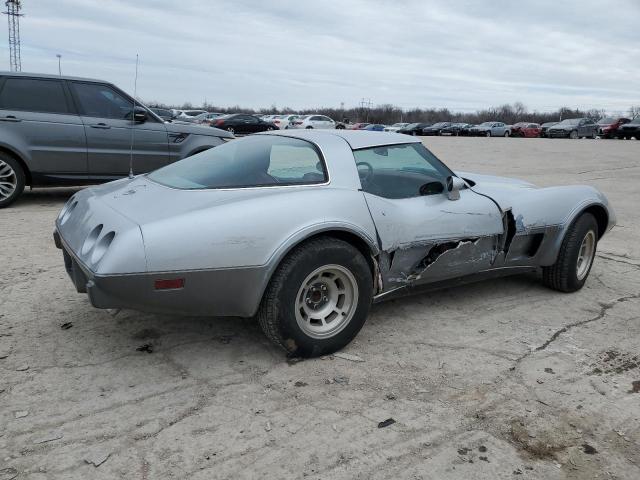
12	180
506	134
575	258
573	135
318	298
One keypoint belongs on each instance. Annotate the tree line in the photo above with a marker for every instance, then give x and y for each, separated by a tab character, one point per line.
389	114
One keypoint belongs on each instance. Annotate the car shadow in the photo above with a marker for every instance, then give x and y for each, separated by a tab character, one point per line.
234	343
45	196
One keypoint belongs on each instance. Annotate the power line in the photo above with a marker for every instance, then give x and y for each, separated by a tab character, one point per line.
13	16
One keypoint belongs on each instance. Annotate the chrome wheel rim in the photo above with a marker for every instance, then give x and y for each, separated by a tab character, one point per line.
586	254
326	301
8	180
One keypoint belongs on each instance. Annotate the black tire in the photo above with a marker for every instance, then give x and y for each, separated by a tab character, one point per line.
309	128
230	130
562	275
18	176
339	127
506	134
573	135
277	315
488	134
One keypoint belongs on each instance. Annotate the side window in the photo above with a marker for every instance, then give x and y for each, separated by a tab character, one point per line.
400	171
33	95
315	118
102	101
295	163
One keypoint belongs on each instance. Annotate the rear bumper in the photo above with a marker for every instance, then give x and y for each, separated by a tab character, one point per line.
220	292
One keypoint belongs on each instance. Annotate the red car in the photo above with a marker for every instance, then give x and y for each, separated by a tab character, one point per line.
358	126
608	126
526	129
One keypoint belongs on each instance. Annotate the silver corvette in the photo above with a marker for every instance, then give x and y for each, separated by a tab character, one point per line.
305	229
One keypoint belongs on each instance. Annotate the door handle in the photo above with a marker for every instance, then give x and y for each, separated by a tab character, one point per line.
100	125
10	118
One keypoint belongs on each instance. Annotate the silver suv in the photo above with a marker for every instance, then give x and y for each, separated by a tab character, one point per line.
72	131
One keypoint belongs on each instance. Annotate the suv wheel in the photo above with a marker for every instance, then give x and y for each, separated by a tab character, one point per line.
12	180
318	298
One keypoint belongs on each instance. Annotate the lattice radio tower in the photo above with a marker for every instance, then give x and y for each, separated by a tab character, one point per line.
13	15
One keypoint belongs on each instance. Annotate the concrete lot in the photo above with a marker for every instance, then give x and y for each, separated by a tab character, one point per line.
504	379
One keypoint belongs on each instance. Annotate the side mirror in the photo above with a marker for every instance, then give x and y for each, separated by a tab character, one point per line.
454	185
139	115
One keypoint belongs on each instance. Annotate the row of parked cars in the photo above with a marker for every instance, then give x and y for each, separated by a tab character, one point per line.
607	127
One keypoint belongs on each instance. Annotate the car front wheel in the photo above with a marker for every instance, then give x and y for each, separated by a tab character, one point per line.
488	134
573	135
318	298
12	180
575	258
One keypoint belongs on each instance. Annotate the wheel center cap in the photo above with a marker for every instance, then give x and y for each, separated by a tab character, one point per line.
316	296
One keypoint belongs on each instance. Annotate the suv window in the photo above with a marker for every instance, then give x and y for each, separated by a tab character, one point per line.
258	161
398	171
33	95
98	100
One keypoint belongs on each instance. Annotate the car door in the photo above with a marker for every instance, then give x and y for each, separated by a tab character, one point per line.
425	236
328	123
113	139
498	129
38	118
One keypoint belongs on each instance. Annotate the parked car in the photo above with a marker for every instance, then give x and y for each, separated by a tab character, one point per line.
284	121
608	126
395	127
490	129
546	126
165	114
358	126
526	129
243	124
631	129
457	129
435	129
573	128
255	228
189	115
413	129
374	127
57	130
313	121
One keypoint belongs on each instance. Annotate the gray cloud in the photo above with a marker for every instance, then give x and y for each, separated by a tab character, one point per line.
413	53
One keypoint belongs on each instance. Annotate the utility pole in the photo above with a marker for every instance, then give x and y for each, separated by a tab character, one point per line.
13	15
365	105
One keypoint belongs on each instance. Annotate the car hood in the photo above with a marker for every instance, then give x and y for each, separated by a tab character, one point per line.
184	127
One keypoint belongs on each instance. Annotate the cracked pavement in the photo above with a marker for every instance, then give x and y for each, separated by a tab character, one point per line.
502	379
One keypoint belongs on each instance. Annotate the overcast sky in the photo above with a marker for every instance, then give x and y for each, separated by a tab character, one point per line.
413	53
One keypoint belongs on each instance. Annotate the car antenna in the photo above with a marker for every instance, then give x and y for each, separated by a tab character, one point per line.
133	120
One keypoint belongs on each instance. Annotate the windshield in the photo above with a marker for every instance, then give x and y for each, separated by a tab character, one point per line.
261	160
635	121
399	125
570	121
606	121
486	124
412	125
441	124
